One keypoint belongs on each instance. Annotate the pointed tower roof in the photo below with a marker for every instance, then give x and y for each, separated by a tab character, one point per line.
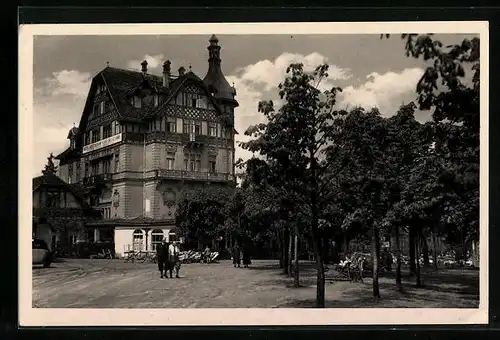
214	78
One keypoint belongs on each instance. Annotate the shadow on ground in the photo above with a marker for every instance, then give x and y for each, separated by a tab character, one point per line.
444	288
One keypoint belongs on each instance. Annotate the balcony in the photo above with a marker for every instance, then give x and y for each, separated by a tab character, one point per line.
96	180
194	176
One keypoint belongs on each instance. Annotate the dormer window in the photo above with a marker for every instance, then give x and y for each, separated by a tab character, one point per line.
102	107
136	102
72	143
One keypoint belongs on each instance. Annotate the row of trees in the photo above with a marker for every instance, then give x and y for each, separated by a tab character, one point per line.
325	171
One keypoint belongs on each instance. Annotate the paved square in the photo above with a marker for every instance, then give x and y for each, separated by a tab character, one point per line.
116	284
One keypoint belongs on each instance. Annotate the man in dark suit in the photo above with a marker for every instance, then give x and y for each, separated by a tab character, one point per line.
162	257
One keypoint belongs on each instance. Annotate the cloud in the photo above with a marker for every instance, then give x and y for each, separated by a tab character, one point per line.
154	62
57	105
269	74
66	82
385	91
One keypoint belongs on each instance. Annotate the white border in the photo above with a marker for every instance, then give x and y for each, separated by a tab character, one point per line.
29	316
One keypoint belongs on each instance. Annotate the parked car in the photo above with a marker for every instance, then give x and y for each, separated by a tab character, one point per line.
41	253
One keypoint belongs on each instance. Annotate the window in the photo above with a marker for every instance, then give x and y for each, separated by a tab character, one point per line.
156	100
72	143
106	166
178	99
186	126
70	172
192	162
117	162
194	102
86	173
77	171
156	238
211	166
72	239
87	138
53	199
96	135
95	168
197	128
170	160
117	128
106	131
96	109
202	103
212	129
138	240
137	102
171	125
102	106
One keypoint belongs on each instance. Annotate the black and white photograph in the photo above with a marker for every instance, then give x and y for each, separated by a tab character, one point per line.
284	174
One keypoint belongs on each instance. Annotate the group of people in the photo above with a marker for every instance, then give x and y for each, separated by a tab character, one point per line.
237	253
168	259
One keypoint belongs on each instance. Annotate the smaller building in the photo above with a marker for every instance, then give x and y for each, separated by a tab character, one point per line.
59	213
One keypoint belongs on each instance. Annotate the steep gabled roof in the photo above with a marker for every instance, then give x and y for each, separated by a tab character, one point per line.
189	77
121	84
54	181
48	180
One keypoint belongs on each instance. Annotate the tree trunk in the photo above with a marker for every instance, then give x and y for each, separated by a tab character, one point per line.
286	259
290	262
320	276
296	282
376	258
279	235
320	282
425	249
417	253
398	259
434	250
411	248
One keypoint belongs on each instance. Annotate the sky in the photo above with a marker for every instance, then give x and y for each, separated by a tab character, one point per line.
372	73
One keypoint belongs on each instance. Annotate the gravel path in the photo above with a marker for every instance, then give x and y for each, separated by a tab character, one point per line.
116	284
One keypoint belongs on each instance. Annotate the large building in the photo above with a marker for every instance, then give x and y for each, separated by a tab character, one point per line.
142	139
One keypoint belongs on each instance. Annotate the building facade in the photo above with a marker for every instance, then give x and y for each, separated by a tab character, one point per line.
144	138
59	213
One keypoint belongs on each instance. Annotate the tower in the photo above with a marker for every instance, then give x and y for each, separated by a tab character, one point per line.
215	80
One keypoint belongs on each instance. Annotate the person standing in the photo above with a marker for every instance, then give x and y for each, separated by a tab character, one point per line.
161	256
236	253
173	259
246	256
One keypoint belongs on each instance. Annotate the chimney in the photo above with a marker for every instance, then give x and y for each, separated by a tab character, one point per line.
181	71
144	65
166	73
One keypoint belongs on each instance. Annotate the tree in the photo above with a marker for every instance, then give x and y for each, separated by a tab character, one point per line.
200	214
50	167
293	138
454	101
361	140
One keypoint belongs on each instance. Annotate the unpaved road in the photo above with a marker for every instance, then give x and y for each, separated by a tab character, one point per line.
116	284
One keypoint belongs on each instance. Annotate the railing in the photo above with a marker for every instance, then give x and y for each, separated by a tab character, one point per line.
194	175
182	137
96	179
